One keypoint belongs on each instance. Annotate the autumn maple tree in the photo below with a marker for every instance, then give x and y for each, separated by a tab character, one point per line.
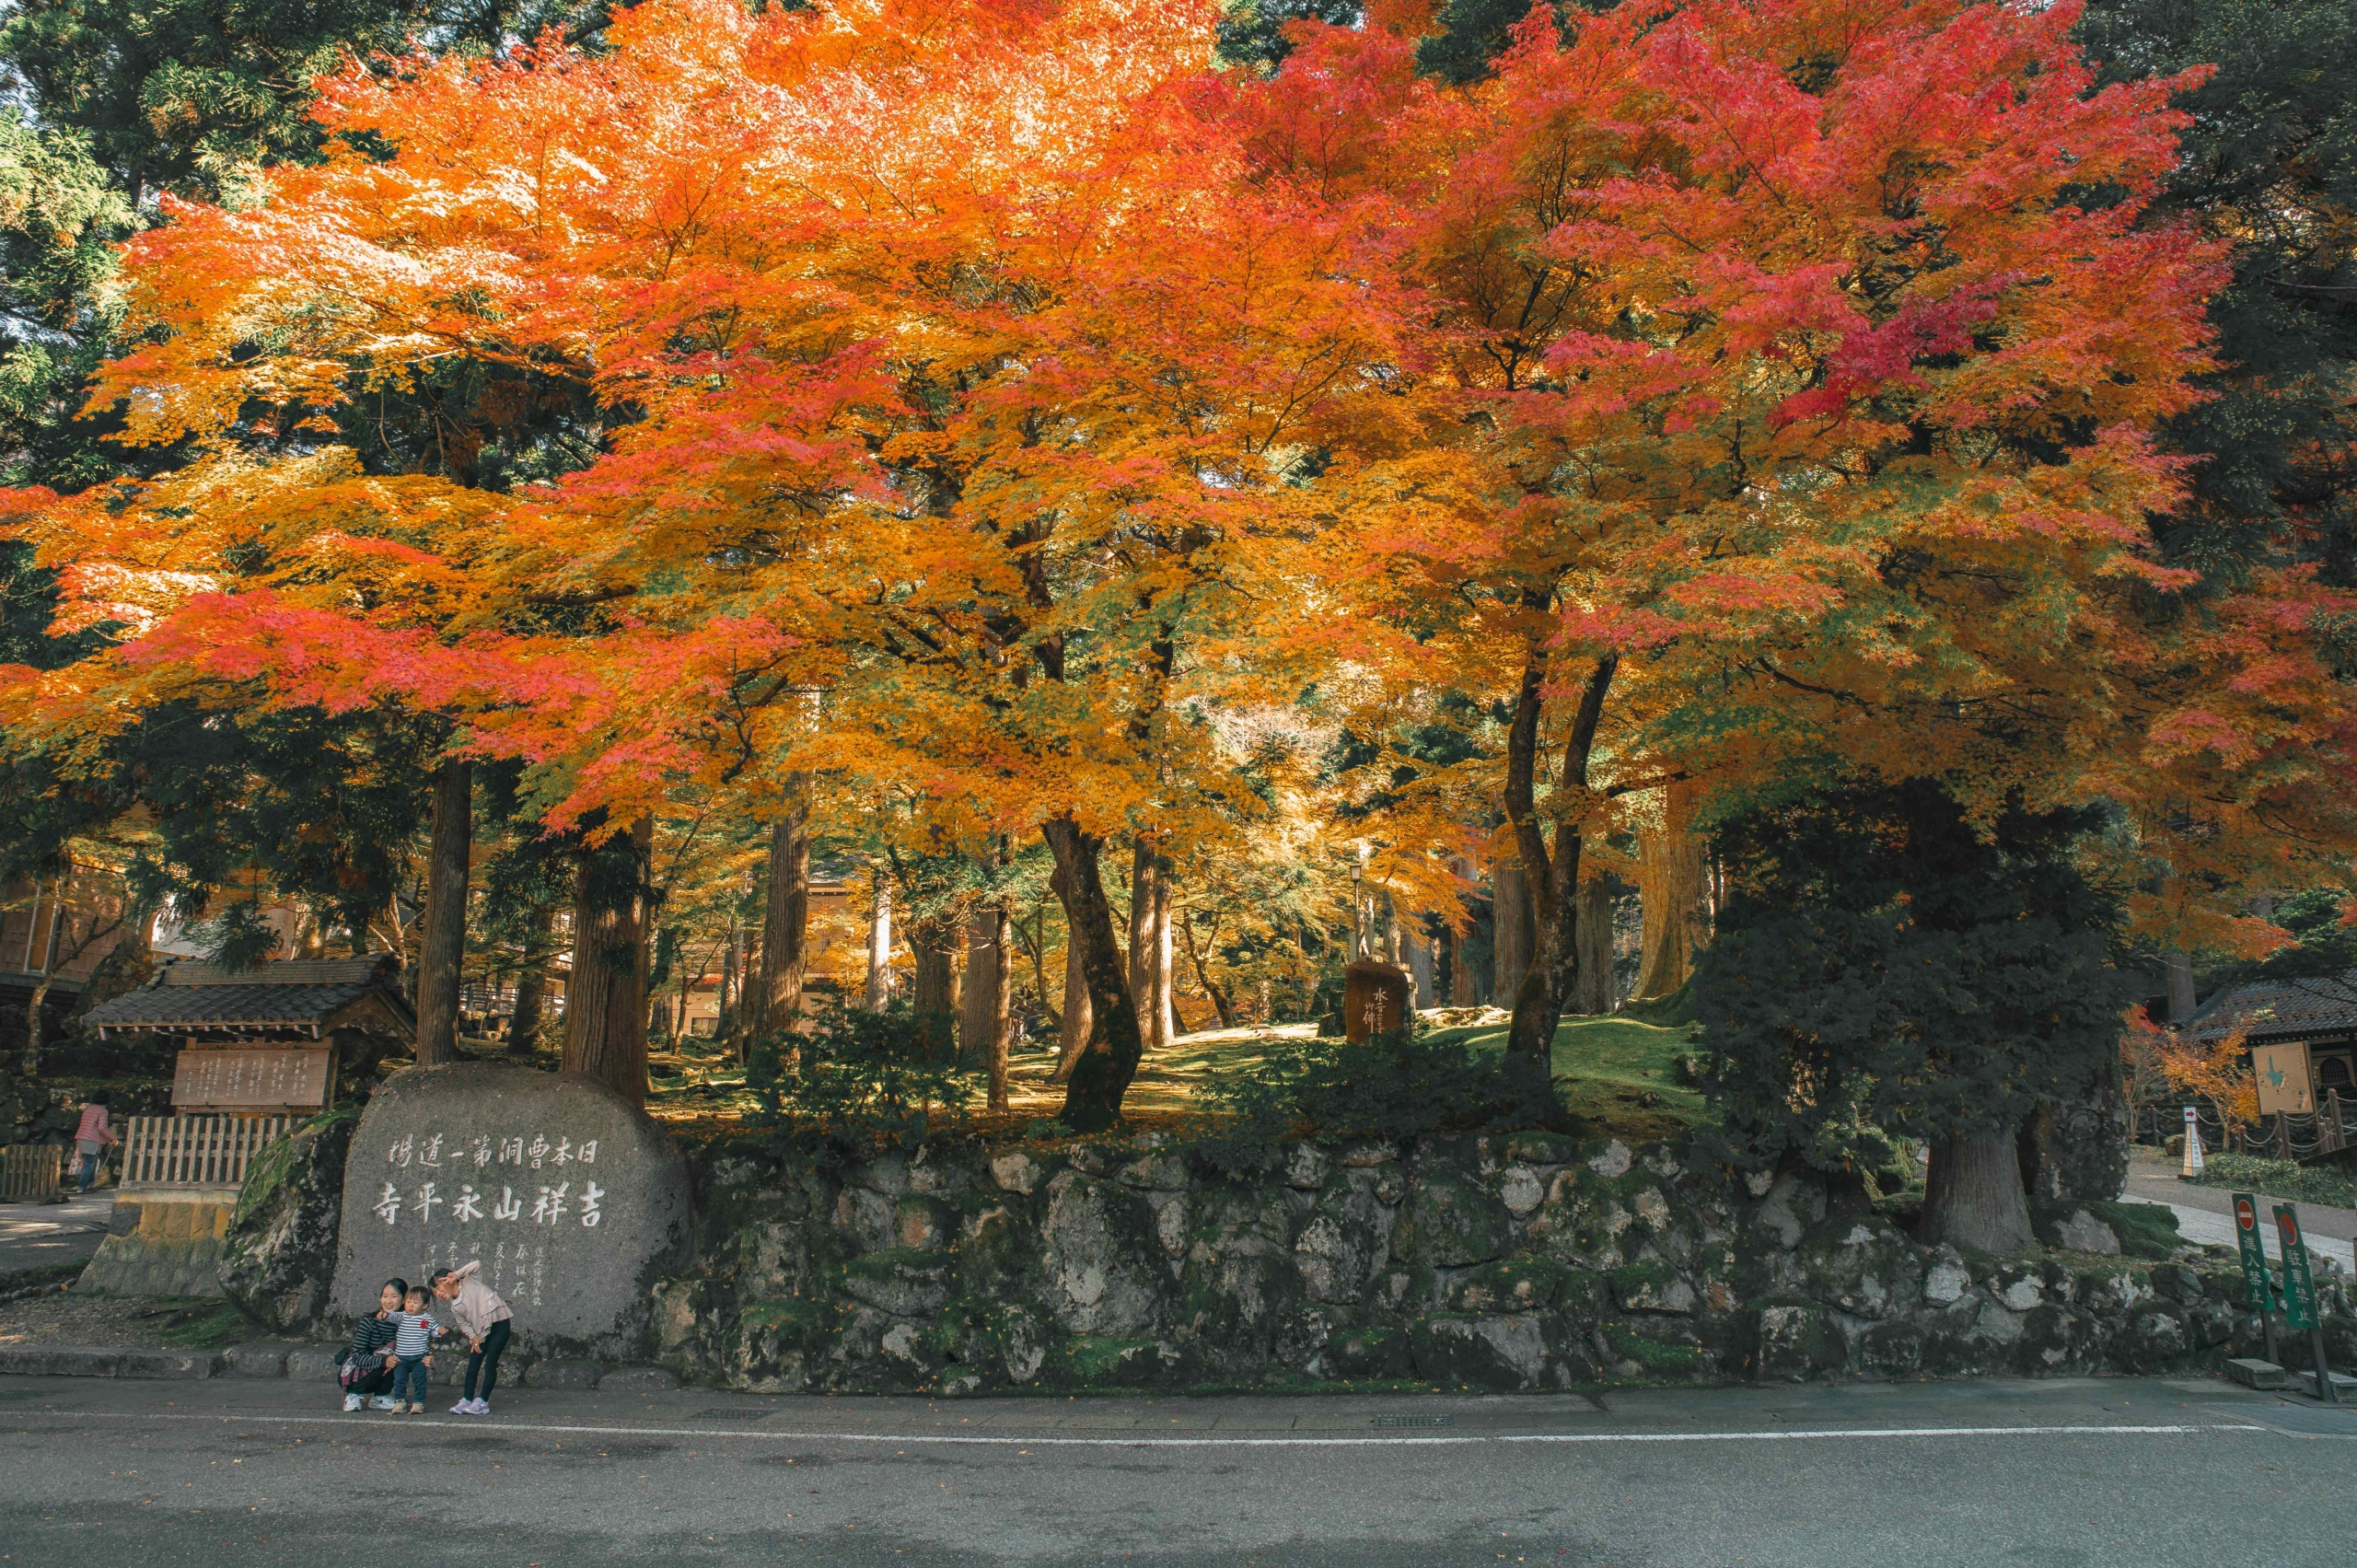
996	407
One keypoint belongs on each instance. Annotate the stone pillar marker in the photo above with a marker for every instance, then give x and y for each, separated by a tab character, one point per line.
1375	999
572	1199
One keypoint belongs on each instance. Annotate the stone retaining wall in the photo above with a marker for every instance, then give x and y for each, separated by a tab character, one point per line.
162	1244
1513	1263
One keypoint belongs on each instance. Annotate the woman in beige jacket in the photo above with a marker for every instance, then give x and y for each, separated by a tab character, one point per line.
483	1319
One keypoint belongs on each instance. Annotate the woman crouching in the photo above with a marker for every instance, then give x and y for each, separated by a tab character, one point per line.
482	1318
366	1368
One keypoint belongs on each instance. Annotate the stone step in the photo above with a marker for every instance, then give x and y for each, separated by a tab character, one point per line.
2253	1373
108	1361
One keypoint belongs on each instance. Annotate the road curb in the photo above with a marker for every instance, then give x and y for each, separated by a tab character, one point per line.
108	1361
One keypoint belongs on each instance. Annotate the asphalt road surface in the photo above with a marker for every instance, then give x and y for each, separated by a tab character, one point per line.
35	1236
2073	1473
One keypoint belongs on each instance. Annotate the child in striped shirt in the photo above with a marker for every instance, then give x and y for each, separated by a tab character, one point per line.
413	1331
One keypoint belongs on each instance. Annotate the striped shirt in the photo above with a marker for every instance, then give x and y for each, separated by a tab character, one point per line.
413	1334
370	1336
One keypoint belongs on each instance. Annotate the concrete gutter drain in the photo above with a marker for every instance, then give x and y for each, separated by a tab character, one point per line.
1413	1421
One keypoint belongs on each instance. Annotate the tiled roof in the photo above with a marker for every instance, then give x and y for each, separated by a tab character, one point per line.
302	994
290	972
2282	1009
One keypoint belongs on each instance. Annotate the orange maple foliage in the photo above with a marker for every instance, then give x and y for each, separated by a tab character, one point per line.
1001	404
1787	400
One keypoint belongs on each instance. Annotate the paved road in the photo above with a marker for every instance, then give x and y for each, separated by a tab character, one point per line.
2086	1473
35	1235
2206	1213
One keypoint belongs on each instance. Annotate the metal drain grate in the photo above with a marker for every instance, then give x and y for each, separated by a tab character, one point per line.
732	1416
1413	1420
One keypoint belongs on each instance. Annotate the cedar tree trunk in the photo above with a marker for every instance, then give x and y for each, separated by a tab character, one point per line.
984	1009
1973	1194
442	943
878	996
605	1012
933	990
1509	931
1141	933
1101	1077
1166	1002
786	922
1674	889
1419	954
2180	979
1595	988
532	987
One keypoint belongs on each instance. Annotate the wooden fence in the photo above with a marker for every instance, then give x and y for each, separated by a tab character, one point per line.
194	1151
30	1172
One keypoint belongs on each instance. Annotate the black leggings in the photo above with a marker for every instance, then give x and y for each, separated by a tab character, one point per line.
486	1360
377	1382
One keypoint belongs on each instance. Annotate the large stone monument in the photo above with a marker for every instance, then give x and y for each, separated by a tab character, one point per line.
572	1198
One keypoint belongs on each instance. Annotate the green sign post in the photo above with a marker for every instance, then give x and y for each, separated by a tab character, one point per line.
2259	1287
2300	1295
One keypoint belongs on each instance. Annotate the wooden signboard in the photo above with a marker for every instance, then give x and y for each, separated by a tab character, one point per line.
2282	1072
253	1080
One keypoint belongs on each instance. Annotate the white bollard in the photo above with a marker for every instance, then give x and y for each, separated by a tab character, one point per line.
2192	1143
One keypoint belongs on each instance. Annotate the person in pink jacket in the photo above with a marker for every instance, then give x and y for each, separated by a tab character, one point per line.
91	1136
483	1319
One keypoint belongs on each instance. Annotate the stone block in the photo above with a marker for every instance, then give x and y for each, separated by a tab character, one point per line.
262	1359
922	1223
561	1373
1541	1148
1103	1258
107	1361
1505	1351
637	1381
1448	1222
307	1364
904	1283
572	1199
1798	1344
1017	1172
2253	1373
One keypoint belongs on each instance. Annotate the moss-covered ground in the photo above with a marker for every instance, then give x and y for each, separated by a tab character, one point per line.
1617	1074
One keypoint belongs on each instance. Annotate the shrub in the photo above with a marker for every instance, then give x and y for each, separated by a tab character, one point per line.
2277	1179
857	1079
1396	1085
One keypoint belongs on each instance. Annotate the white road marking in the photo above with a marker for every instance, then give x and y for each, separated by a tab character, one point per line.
408	1424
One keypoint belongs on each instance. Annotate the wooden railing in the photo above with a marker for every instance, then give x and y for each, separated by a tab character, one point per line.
194	1151
30	1172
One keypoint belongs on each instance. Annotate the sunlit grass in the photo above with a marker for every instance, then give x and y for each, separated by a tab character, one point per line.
1615	1073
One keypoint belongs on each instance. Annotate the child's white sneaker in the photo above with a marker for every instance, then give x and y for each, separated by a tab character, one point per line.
384	1402
351	1403
481	1407
464	1407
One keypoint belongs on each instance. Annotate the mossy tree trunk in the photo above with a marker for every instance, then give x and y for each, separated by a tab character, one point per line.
605	1013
